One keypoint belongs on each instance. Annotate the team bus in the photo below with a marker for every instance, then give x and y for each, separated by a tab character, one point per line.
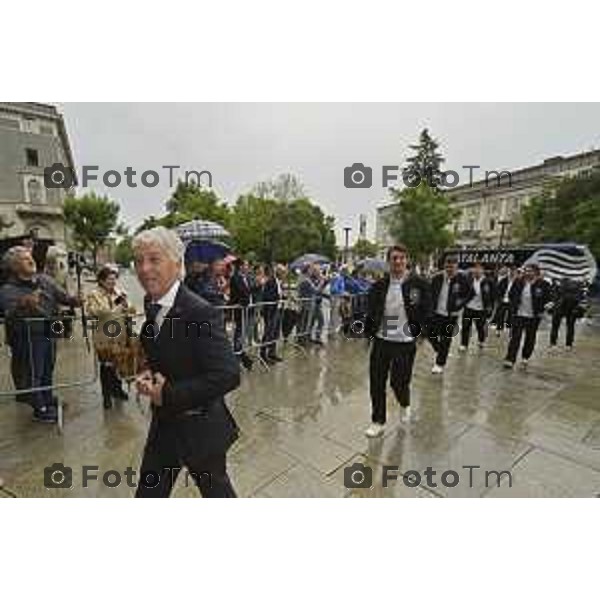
556	260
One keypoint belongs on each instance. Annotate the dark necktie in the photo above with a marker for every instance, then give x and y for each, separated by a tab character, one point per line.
151	327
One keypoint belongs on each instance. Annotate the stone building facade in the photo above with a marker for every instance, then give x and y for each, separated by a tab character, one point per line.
32	137
483	206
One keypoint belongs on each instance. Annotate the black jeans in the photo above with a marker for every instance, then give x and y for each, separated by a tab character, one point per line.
470	315
441	331
32	365
166	452
528	325
272	317
395	359
557	318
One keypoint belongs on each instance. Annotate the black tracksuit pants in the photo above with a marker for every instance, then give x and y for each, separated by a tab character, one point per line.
393	359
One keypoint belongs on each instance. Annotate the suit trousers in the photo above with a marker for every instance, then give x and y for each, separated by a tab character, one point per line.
470	316
395	359
520	325
441	331
171	446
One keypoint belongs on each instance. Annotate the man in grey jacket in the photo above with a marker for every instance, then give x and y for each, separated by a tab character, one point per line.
30	303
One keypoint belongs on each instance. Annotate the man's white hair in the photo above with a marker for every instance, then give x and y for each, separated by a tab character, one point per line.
167	239
11	256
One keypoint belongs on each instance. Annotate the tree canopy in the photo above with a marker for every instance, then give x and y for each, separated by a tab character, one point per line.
566	211
91	219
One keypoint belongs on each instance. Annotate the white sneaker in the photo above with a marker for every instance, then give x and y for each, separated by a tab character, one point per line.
375	430
462	348
436	369
405	414
569	348
507	364
524	363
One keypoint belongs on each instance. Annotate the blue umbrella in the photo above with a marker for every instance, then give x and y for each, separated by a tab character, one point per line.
205	251
307	259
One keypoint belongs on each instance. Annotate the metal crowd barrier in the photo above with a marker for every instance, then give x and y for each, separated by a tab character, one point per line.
74	361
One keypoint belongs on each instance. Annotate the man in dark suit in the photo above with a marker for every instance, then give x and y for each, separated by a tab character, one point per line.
527	298
450	292
479	309
399	306
190	367
272	296
241	297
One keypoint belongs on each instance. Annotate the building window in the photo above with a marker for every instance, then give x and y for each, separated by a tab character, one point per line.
32	157
492	224
29	125
35	193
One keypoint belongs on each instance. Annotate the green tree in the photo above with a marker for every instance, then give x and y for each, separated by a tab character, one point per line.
421	220
91	219
364	249
426	162
566	211
190	201
124	252
275	230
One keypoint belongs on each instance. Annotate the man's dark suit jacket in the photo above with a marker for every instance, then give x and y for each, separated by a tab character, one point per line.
460	291
194	355
416	292
240	290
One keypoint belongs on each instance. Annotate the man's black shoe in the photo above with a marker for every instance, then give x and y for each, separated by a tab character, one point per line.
107	402
246	362
274	358
120	394
46	414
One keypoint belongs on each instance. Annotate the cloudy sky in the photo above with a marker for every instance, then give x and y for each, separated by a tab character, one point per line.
242	144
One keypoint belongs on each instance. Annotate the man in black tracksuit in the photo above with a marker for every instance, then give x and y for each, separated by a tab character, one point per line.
528	298
450	292
479	308
568	298
502	315
399	307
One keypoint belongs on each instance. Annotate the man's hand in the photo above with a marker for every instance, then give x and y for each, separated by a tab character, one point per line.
30	302
151	385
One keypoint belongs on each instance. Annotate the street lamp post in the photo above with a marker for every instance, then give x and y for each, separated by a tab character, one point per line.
347	231
503	223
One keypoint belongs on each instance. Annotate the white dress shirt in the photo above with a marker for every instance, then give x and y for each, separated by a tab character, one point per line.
442	304
166	303
393	325
526	305
476	303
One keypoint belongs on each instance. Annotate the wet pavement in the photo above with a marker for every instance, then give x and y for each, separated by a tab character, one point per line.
302	425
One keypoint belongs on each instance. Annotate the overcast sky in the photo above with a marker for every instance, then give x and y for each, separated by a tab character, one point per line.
242	144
